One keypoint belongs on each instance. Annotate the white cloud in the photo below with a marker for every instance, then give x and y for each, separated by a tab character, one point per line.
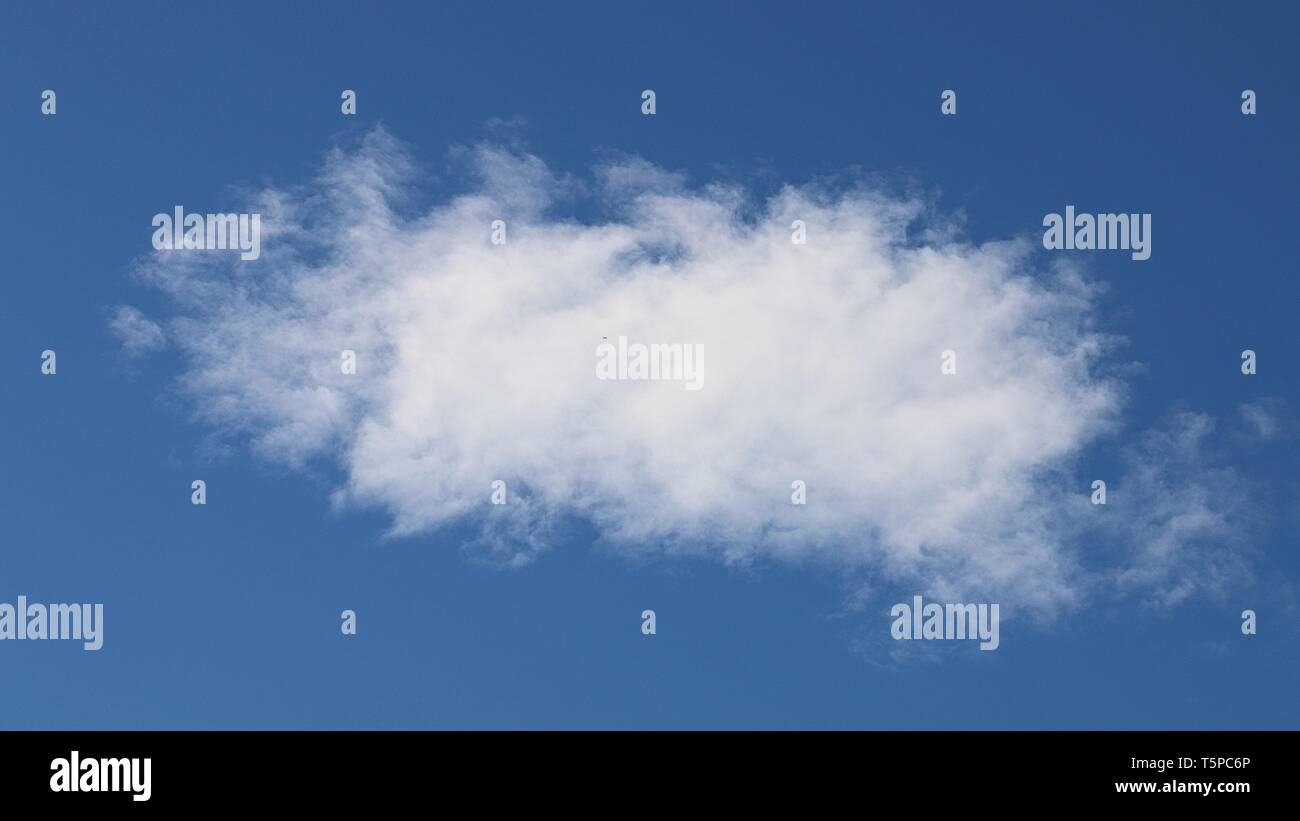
476	362
1266	418
137	333
1182	518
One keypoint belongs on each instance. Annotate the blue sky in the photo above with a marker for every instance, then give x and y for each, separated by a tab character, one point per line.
226	615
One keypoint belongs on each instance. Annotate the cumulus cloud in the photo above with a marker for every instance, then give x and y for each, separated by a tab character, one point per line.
476	362
137	333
